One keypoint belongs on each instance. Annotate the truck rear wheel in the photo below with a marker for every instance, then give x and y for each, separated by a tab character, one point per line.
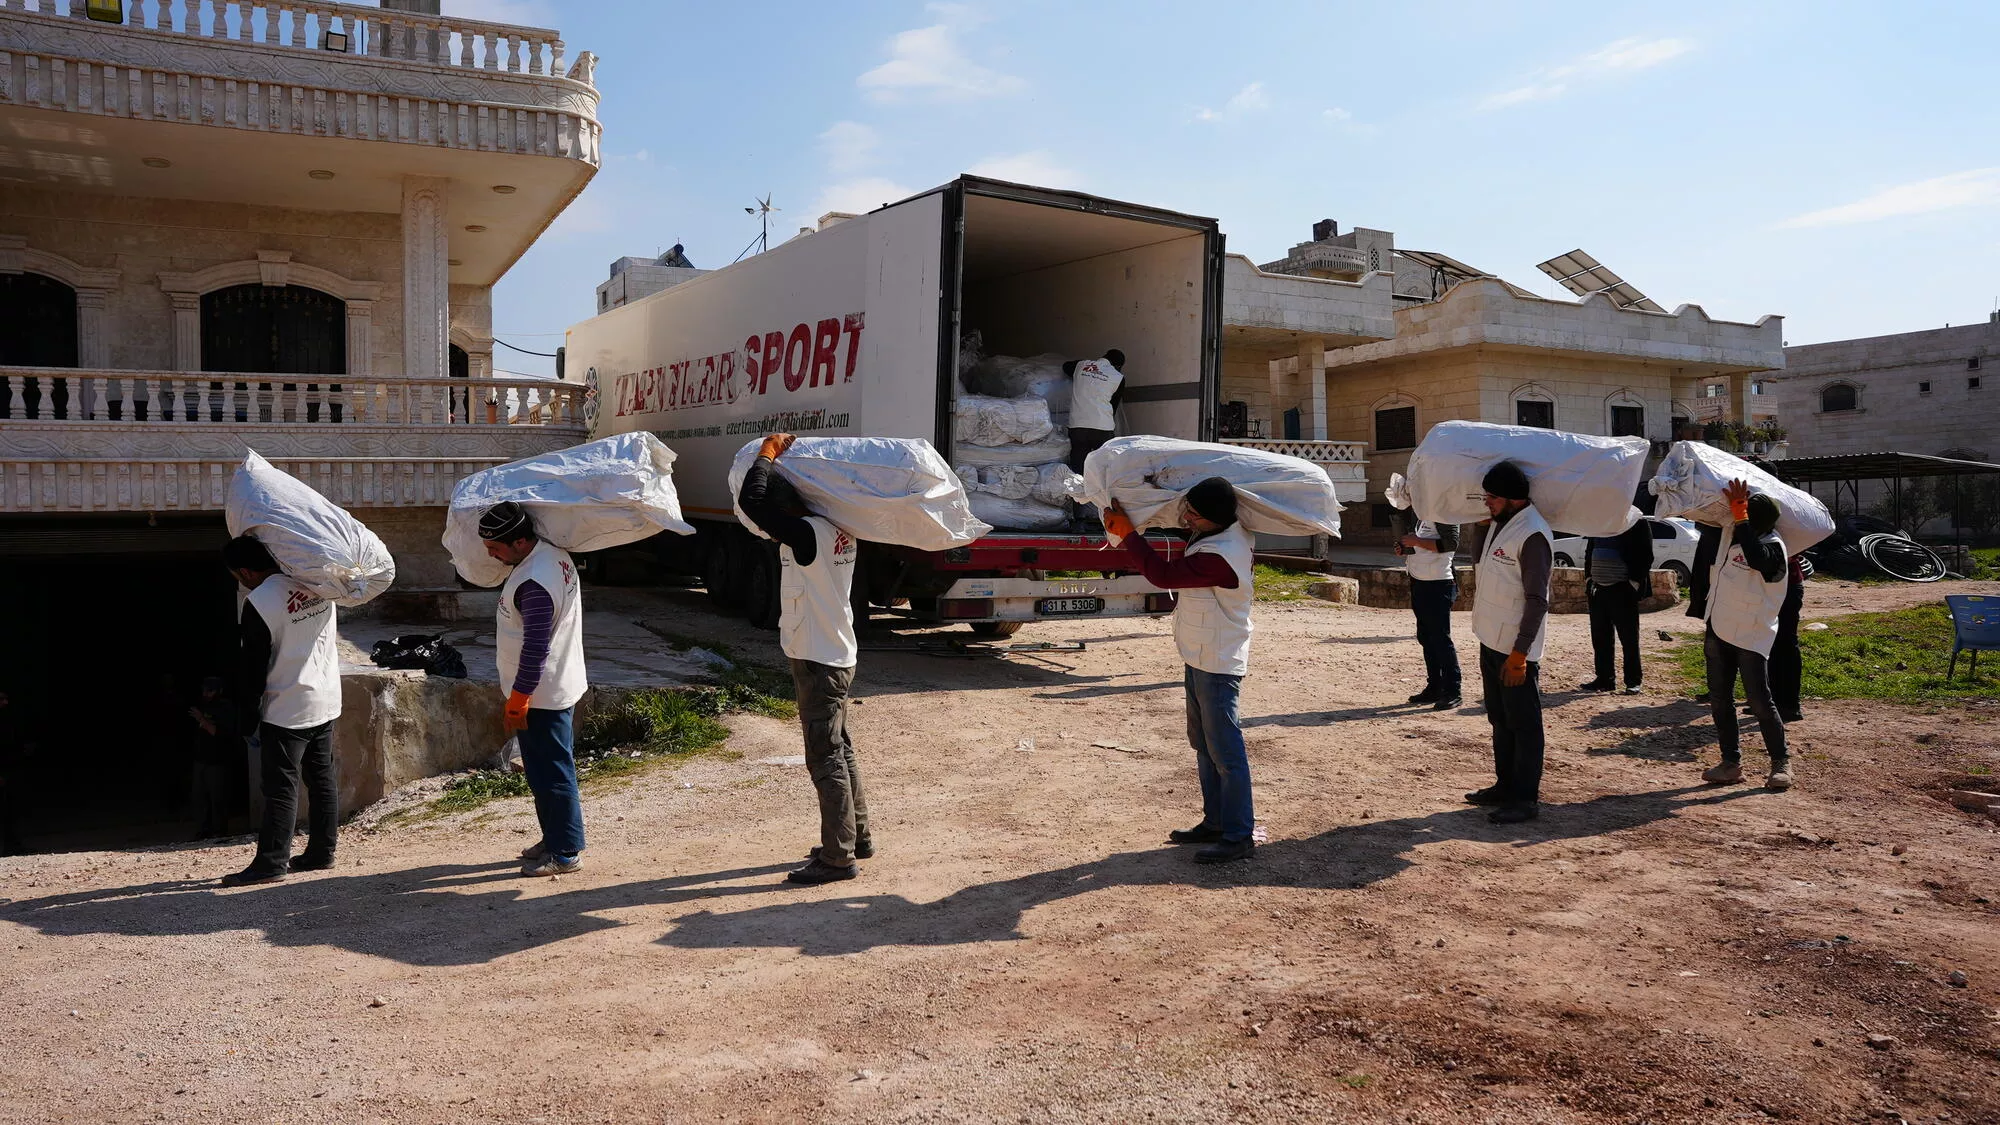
997	628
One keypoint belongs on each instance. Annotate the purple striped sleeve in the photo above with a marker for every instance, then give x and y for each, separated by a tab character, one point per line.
538	619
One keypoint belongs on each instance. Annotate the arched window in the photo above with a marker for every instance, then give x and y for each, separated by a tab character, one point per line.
37	329
1838	397
275	329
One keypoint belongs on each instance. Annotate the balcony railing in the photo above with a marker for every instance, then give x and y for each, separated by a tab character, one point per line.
1318	452
303	25
60	396
192	484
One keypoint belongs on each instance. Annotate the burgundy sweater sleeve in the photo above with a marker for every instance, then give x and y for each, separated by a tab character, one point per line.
1186	572
538	620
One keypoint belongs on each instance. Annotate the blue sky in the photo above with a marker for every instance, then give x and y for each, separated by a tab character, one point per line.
1838	164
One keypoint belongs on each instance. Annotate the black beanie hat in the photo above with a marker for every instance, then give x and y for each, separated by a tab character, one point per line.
1507	481
506	522
1763	513
1214	500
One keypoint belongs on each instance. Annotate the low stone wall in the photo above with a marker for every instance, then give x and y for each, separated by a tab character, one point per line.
1389	588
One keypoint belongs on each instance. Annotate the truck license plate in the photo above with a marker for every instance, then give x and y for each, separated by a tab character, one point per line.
1053	607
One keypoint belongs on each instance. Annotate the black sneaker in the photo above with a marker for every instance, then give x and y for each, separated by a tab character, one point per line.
1226	851
1199	834
1487	796
310	862
1450	703
1792	716
1515	813
252	876
1596	685
1428	695
864	848
815	873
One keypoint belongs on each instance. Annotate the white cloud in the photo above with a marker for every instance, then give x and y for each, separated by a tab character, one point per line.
1249	99
849	146
1036	168
1336	114
1619	56
858	196
928	61
1960	189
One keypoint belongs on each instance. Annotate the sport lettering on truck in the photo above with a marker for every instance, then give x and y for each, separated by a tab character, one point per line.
810	355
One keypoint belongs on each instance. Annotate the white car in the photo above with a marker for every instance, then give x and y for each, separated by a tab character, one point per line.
1674	542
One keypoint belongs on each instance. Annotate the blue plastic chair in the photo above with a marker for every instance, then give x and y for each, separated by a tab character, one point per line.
1975	627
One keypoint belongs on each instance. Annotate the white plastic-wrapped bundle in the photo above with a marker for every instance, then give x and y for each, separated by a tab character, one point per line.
1580	483
1148	475
1018	515
1006	376
1009	482
1050	449
885	490
968	476
1690	481
1398	492
980	420
314	540
603	493
1055	484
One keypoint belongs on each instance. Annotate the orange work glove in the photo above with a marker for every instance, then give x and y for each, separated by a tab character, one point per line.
775	445
1738	495
1516	671
1117	524
517	711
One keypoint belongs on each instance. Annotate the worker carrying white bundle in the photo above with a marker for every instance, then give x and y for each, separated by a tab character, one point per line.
314	541
1694	479
1582	484
1147	477
884	490
589	497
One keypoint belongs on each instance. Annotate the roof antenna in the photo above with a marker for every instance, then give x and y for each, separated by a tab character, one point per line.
763	212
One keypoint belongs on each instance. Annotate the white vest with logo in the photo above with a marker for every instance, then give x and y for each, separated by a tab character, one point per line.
815	615
1742	607
563	681
1090	398
1499	596
1425	565
302	685
1212	623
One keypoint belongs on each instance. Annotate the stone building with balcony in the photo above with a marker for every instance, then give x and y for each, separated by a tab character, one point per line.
1355	348
276	226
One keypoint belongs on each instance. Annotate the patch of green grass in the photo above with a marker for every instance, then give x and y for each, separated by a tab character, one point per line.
1895	657
1357	1081
1277	584
1985	564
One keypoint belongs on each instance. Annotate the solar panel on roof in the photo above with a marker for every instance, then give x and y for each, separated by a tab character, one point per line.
1583	275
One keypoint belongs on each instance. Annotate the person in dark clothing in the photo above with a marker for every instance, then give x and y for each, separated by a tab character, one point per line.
1508	616
1787	665
1745	592
1429	551
1708	540
1097	387
816	632
1616	572
218	757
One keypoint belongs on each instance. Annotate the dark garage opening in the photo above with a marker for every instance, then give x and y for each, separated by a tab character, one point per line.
107	627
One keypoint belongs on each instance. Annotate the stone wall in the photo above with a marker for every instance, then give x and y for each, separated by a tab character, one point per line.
1894	413
1389	588
415	537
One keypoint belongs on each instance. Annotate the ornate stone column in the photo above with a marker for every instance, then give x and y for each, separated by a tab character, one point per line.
1312	369
426	277
187	330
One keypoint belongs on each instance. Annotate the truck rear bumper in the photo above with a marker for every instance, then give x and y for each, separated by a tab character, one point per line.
1027	599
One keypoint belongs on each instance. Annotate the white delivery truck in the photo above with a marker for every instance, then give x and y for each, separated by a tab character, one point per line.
855	329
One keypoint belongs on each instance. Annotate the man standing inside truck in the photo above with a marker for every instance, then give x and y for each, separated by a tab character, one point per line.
1430	551
816	631
538	645
1097	387
1509	611
1212	628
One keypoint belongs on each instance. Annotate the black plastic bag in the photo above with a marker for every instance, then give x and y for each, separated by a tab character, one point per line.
417	650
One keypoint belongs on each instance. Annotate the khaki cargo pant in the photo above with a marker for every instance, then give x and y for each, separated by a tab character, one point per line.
843	807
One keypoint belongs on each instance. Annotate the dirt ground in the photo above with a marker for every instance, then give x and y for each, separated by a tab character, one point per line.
1025	948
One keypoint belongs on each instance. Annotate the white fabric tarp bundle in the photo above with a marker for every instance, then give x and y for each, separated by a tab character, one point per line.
1148	475
1581	484
1398	492
313	539
885	490
1690	481
603	493
1018	515
1007	376
984	420
1048	451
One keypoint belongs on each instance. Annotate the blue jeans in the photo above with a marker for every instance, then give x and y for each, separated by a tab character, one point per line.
1219	758
548	757
1431	600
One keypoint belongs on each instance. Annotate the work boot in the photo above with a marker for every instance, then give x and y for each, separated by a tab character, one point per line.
817	872
252	876
864	848
311	862
1199	834
1515	812
1729	772
1488	796
1428	695
1791	716
1596	685
535	850
1781	775
1226	851
550	865
1450	702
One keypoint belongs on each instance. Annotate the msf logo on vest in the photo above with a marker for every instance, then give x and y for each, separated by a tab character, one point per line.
568	573
1500	555
300	599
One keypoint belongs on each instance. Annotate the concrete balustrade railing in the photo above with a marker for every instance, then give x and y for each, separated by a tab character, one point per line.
192	484
58	395
303	25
